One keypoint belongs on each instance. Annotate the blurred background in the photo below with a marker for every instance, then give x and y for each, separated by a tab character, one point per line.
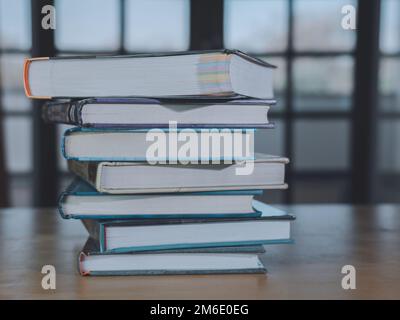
338	115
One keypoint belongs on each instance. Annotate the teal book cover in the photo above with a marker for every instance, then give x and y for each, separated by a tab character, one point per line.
79	189
278	219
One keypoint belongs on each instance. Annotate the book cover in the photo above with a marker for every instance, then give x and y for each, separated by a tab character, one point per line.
80	188
207	73
136	148
92	172
131	264
97	230
70	112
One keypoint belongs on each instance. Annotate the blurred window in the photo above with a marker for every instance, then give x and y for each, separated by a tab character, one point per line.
157	25
256	26
313	84
323	84
87	25
317	26
389	103
390	26
15	44
15	24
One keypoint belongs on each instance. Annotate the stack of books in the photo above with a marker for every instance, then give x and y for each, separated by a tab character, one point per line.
164	158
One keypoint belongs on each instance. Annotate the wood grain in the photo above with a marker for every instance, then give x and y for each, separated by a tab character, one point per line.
326	238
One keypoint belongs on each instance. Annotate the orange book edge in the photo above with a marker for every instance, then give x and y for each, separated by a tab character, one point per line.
27	88
80	262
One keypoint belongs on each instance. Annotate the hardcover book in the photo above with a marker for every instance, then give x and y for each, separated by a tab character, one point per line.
186	261
190	73
82	201
157	144
267	172
157	113
273	226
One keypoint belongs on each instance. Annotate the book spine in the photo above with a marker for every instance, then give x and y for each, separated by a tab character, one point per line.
68	113
260	270
27	87
81	257
102	237
61	200
70	190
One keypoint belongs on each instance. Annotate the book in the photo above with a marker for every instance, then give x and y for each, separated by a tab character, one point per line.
273	226
92	262
189	73
92	144
157	113
92	247
82	201
268	172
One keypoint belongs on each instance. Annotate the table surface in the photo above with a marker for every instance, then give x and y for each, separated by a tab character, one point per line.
327	237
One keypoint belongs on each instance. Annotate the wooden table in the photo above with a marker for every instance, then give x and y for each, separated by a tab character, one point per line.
327	238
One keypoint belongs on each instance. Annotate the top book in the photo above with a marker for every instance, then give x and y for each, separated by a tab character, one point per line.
224	73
